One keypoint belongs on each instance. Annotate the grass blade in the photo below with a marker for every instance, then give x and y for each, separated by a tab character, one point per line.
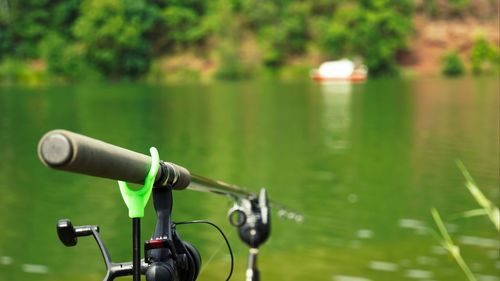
448	244
487	205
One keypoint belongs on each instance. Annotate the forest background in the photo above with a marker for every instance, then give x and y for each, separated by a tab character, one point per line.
188	40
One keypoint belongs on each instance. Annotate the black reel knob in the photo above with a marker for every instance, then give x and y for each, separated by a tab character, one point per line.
68	233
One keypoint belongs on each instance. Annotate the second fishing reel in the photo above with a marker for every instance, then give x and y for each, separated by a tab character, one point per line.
252	218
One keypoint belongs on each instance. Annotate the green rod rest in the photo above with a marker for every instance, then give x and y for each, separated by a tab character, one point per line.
136	199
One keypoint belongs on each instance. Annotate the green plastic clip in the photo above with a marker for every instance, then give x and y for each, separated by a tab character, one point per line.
136	199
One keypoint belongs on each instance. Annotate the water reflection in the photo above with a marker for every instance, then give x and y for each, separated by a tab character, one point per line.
419	274
424	260
383	266
7	263
412	224
5	260
364	233
482	277
479	241
336	102
35	268
350	278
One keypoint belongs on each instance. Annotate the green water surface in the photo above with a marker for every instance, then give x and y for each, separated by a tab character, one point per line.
363	163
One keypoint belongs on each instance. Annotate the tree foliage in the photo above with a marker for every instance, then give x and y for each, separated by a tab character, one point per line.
282	27
484	56
66	59
452	64
27	22
114	35
121	38
374	30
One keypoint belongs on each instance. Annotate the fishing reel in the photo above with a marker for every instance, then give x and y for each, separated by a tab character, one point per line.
171	260
252	217
167	256
180	262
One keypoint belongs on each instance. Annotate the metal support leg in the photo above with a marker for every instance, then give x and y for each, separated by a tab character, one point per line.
252	273
136	248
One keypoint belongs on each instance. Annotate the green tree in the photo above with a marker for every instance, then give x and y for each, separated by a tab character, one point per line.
282	27
26	23
179	24
114	35
452	64
66	59
374	30
184	21
484	57
228	36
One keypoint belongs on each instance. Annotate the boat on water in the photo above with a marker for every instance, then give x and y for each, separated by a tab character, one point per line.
343	70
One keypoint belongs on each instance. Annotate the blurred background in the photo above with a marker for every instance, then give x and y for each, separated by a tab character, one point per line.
224	89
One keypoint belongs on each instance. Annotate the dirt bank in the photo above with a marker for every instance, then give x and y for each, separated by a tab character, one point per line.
434	37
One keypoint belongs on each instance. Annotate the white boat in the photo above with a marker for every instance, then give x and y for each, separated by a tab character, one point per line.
340	70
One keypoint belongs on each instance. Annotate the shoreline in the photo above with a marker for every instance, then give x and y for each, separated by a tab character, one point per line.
431	40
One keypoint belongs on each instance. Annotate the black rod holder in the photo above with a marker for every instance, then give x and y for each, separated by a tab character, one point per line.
136	248
252	273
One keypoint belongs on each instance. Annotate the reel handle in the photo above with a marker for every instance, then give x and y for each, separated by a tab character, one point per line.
68	234
72	152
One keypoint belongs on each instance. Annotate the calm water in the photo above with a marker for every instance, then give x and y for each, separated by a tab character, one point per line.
364	164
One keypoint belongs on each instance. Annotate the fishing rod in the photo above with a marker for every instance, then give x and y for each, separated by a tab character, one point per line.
65	150
167	257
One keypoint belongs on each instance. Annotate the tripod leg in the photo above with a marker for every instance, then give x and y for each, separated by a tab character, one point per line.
252	273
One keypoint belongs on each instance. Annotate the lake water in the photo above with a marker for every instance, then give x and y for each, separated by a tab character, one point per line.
364	164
